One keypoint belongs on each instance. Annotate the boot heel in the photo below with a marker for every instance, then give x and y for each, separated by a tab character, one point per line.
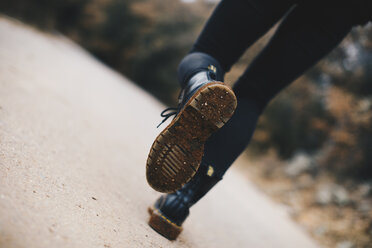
163	226
216	103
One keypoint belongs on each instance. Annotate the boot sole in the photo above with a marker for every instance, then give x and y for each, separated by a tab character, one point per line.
177	151
163	225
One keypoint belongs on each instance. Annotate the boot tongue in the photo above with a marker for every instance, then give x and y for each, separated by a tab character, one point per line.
197	80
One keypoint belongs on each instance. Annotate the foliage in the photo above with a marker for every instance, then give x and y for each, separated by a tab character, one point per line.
295	121
143	39
46	14
347	71
328	112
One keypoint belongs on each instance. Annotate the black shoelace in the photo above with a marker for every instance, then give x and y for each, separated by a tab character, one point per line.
167	115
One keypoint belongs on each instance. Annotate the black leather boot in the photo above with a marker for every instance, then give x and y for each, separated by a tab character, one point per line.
171	210
205	105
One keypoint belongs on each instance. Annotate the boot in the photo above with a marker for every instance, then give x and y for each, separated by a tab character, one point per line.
205	105
171	210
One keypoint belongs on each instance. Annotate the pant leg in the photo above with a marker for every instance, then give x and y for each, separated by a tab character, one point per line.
233	26
307	34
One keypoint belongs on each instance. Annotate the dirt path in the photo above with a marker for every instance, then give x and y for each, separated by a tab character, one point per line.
74	137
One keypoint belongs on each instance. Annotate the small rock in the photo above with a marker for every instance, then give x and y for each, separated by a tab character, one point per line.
340	196
345	244
324	195
332	193
299	164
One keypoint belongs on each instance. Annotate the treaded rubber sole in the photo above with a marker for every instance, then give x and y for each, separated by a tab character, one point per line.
176	153
162	225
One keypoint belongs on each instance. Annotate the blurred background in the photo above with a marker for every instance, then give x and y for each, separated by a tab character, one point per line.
312	150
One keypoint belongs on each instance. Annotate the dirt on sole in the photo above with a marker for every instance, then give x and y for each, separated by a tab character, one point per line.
176	153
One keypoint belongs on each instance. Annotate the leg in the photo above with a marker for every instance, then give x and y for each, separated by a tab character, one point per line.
237	24
205	105
232	28
300	41
170	210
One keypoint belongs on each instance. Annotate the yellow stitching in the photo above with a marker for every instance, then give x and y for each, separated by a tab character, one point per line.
210	171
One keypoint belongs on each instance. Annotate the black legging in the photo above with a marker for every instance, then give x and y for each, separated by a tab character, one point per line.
310	30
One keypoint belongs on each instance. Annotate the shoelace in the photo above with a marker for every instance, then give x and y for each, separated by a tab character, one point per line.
167	115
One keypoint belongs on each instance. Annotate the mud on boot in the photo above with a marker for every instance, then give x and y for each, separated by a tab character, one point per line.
204	106
171	210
